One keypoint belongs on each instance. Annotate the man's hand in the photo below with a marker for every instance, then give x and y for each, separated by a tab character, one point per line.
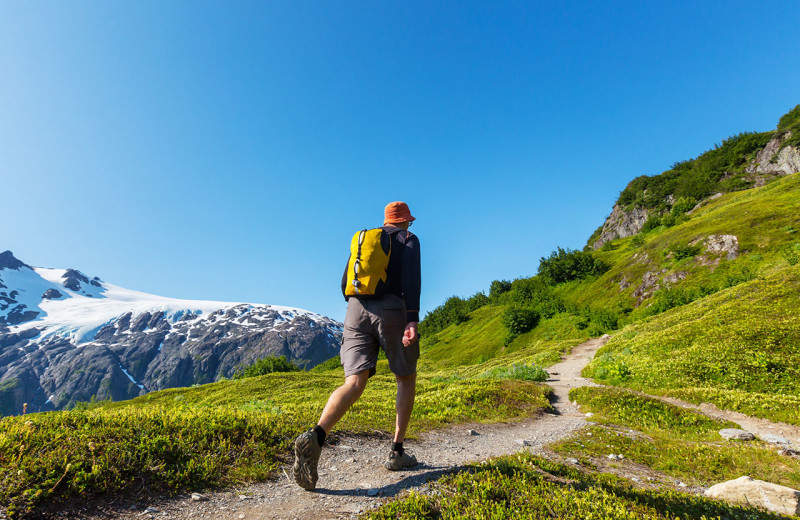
411	334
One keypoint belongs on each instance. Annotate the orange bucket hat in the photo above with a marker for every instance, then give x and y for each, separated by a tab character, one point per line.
397	212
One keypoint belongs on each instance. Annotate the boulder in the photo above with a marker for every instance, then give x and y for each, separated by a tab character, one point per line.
775	439
728	244
778	499
736	435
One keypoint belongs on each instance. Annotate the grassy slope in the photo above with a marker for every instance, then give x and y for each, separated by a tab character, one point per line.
737	348
677	442
216	434
765	220
471	348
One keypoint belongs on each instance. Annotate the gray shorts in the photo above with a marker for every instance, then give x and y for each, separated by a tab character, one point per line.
370	325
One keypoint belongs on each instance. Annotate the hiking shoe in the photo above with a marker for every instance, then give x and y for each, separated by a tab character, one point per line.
306	456
397	461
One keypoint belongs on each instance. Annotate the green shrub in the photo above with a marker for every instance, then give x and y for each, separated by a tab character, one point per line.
595	235
454	310
790	122
522	371
332	364
265	366
636	242
668	220
499	287
652	222
519	320
649	414
682	205
681	252
679	442
791	253
564	265
606	319
671	297
527	487
741	274
610	368
537	294
47	456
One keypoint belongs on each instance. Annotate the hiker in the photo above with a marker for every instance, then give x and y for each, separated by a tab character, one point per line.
374	321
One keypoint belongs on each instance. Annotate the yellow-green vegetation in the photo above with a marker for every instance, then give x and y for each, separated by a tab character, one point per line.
468	343
680	443
525	486
764	220
737	348
50	455
215	434
476	345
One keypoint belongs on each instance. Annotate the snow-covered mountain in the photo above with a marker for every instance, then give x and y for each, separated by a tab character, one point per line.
65	337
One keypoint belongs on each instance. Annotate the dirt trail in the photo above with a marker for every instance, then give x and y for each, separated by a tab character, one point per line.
761	428
351	474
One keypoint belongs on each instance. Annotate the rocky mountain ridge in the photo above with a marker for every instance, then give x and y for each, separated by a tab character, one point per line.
66	337
776	159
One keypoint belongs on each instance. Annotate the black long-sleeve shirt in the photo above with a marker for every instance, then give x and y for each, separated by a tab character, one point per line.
403	274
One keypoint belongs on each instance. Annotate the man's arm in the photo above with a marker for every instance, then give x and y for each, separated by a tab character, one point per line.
412	280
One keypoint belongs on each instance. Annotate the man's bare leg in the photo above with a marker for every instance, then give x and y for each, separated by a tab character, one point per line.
404	404
308	446
342	399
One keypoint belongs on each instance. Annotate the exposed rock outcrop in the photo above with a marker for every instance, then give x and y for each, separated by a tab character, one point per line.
52	294
653	281
728	244
774	161
621	224
8	261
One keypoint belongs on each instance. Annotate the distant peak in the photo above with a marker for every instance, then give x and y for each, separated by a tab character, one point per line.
73	279
74	273
9	261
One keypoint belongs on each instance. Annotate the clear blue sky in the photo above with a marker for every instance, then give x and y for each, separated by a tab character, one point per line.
228	150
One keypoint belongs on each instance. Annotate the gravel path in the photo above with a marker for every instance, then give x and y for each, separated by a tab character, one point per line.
352	478
761	428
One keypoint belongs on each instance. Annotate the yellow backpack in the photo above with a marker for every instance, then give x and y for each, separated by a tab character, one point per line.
369	258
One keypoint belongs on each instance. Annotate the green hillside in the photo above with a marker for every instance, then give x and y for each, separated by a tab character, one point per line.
739	349
765	222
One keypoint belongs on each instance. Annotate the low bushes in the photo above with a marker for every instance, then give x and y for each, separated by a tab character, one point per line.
265	366
524	372
564	265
